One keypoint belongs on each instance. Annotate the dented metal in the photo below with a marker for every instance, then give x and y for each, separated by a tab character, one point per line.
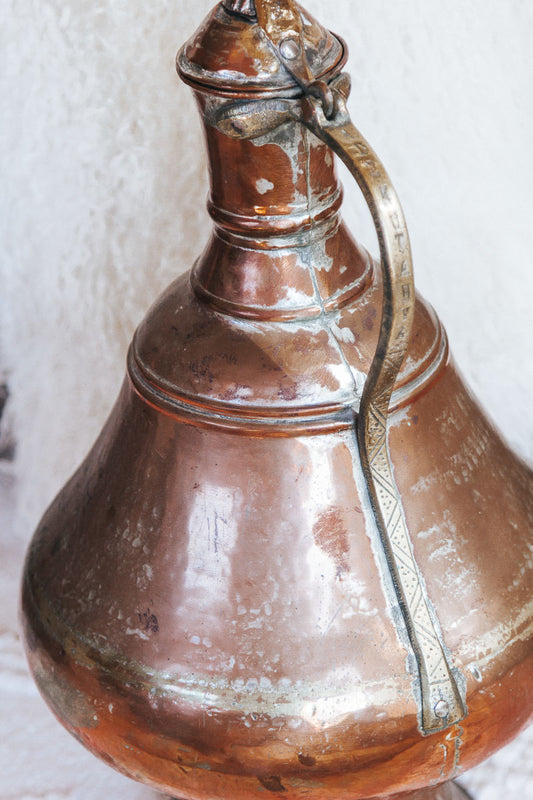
215	603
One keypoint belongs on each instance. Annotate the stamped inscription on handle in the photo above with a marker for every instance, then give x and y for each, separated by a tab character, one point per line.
442	703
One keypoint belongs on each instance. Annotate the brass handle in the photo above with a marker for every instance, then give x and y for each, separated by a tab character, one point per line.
441	700
326	115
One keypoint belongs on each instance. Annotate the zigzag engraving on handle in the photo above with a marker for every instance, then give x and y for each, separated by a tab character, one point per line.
441	702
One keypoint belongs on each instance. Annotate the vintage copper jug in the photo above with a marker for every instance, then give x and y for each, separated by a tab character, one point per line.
288	567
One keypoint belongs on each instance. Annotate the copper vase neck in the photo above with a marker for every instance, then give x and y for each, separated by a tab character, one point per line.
281	183
276	192
278	250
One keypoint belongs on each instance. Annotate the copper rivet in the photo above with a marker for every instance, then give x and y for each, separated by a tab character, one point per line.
289	49
442	709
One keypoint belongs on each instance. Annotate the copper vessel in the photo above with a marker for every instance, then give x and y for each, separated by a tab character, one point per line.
298	559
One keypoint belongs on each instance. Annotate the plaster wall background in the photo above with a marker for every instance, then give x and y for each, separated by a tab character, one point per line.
103	203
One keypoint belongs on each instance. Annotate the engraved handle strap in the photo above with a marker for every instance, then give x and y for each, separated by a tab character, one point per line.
325	114
442	704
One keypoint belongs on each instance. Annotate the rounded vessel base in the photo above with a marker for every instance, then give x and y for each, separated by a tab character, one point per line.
446	791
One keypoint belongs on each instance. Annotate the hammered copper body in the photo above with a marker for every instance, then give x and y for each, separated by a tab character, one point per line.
207	604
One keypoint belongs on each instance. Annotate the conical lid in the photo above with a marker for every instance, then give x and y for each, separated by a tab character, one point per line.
231	54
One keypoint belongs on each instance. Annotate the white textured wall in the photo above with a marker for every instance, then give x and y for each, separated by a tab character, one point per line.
104	192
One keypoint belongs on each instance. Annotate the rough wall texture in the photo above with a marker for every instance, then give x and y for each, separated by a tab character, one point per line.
104	190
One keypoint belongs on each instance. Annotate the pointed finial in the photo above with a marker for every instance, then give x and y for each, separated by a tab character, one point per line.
244	7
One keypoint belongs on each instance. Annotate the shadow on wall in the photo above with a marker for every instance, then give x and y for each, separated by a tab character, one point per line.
7	442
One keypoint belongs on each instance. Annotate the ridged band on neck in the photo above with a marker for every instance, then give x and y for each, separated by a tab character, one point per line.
281	224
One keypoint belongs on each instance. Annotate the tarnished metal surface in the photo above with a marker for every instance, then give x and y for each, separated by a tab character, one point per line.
245	7
195	620
208	604
230	53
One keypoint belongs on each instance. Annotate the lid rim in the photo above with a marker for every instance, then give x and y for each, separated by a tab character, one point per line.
203	80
